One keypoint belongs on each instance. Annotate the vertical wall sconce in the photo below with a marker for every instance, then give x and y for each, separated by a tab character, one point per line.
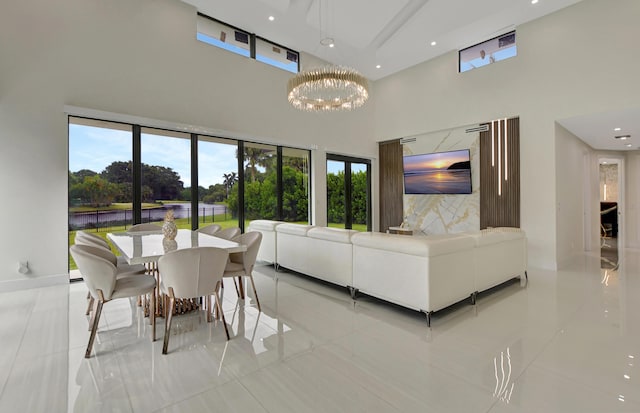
500	150
506	151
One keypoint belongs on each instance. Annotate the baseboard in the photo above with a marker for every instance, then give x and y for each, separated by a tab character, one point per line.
37	282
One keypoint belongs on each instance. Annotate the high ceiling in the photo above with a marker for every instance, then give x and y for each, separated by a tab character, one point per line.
397	34
394	34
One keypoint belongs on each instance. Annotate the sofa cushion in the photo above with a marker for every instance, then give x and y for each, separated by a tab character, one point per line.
422	246
294	229
263	225
332	234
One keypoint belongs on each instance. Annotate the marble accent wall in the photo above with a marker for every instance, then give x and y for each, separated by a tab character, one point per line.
443	214
609	177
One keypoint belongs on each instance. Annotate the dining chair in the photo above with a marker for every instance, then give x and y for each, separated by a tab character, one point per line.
227	233
101	276
189	273
210	229
144	227
241	264
122	269
92	238
86	238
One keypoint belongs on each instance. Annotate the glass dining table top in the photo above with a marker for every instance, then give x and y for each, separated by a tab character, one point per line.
149	246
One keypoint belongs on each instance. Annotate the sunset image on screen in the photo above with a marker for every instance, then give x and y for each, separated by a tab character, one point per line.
438	173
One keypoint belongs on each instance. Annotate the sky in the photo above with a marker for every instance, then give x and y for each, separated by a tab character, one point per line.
430	161
95	148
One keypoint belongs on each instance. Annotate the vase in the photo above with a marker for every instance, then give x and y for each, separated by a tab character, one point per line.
170	230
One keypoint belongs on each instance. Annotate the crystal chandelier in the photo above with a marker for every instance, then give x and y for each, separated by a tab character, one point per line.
327	89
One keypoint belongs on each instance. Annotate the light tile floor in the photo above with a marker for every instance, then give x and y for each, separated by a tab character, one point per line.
567	342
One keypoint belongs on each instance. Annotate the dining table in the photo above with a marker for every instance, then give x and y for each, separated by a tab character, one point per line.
143	247
146	247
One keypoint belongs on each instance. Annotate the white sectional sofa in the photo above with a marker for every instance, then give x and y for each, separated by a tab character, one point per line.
500	254
321	252
424	273
267	250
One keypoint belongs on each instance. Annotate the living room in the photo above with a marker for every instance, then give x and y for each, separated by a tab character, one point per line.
139	62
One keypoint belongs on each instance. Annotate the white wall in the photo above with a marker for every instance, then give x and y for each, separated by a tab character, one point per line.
571	208
137	58
579	60
632	200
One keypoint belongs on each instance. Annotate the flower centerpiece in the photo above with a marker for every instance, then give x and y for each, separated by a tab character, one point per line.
169	228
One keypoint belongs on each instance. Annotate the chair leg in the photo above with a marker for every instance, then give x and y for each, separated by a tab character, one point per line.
169	317
93	314
152	314
221	314
91	300
96	321
209	318
255	292
235	283
241	284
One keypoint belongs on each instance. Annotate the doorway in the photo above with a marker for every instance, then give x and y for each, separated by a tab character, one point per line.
348	192
611	201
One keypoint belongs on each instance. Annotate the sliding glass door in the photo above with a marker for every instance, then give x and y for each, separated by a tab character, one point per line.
348	192
123	174
100	178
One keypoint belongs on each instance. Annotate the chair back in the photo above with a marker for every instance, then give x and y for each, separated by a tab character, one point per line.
144	227
90	239
192	272
252	240
101	252
98	272
228	233
210	229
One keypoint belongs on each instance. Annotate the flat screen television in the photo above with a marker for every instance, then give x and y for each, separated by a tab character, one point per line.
437	173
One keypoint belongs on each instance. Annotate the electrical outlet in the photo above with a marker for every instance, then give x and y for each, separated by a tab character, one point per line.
23	267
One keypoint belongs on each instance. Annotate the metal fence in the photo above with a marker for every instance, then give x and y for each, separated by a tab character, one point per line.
111	218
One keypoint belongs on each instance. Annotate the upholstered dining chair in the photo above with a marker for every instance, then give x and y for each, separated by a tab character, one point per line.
191	273
89	237
241	263
85	238
122	269
101	276
227	233
144	227
210	229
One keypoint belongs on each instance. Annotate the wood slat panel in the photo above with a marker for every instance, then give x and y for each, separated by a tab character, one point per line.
391	188
500	207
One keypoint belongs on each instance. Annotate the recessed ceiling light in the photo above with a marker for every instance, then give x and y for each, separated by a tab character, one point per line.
628	145
622	137
433	43
534	1
327	41
604	162
617	129
377	66
271	18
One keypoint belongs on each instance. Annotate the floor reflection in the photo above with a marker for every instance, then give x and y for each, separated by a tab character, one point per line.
609	253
